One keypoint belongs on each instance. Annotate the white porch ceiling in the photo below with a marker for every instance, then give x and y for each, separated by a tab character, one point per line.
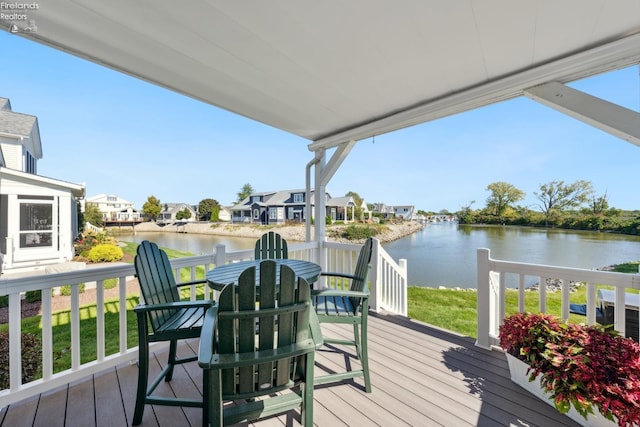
337	70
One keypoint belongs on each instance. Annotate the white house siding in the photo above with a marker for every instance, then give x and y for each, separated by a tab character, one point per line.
22	190
12	153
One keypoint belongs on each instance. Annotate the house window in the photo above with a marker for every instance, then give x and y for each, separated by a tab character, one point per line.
255	199
290	216
256	214
298	198
36	224
273	213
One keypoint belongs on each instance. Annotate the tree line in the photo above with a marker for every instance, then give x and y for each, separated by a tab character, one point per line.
561	205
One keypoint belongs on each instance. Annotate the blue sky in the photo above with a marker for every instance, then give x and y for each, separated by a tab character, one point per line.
123	136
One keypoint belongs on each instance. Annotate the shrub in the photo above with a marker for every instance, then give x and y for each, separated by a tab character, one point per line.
31	358
33	296
105	252
87	241
354	232
110	283
66	289
4	301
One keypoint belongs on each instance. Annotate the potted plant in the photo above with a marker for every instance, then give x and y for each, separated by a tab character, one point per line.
584	367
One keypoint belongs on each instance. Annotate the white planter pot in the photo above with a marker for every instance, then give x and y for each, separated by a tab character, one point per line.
518	371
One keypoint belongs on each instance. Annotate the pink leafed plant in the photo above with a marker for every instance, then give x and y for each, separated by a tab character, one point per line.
583	366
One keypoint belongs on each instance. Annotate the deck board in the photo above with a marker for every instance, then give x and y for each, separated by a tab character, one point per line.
421	376
52	408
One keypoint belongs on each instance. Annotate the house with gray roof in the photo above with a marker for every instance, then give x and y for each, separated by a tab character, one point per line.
273	207
341	209
169	213
278	207
38	215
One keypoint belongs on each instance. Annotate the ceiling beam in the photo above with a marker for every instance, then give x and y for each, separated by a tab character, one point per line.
336	160
615	55
604	115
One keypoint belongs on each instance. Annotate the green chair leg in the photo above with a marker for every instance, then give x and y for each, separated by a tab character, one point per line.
173	347
143	369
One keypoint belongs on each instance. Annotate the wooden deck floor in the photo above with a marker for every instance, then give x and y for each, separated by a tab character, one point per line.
421	376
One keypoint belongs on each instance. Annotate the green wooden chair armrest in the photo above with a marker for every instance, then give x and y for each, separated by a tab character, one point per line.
207	337
142	308
343	275
237	360
339	293
316	331
193	282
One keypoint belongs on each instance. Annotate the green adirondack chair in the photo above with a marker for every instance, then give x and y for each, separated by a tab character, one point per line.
259	344
271	246
170	320
350	306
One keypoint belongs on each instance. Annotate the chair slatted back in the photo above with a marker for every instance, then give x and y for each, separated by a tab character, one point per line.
361	273
262	316
157	284
271	246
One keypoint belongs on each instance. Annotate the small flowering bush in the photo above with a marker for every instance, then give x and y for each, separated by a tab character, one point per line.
579	365
87	241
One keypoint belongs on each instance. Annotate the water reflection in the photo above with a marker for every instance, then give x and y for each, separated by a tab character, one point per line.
445	254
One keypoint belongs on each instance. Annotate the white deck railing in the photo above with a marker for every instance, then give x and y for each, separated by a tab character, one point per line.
388	287
493	276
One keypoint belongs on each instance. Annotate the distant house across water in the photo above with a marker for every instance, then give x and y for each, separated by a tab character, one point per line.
115	209
278	207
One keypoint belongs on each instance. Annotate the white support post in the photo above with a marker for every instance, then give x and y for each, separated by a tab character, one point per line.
375	274
484	296
403	298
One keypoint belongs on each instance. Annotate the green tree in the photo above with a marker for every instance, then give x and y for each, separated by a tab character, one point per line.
465	215
599	205
209	210
92	214
183	214
503	195
556	196
152	207
245	192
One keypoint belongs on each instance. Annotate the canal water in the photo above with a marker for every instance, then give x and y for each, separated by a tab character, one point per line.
444	254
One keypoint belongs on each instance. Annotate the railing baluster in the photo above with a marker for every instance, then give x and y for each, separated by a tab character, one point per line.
47	335
521	282
15	342
122	315
100	325
542	291
75	326
565	288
